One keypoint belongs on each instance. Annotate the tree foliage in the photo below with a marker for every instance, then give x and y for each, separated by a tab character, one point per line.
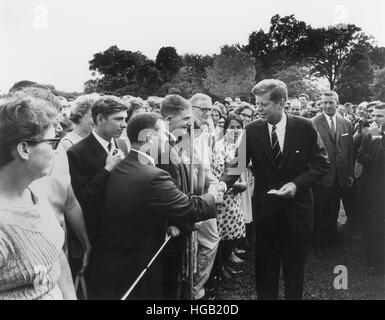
232	73
354	84
168	62
378	86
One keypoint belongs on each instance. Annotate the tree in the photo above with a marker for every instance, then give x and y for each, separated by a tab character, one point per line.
168	62
354	84
378	86
298	80
122	72
377	57
232	74
332	47
284	45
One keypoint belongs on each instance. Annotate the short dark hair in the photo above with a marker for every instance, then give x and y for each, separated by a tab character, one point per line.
21	118
231	117
139	122
172	105
106	106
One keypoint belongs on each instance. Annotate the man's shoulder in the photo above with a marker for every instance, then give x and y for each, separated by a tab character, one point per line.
317	118
298	121
84	144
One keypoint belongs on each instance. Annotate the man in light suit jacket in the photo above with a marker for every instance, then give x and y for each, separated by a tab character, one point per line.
92	159
337	135
288	159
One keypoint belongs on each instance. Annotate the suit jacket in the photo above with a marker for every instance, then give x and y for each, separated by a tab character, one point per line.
139	200
87	160
304	162
372	181
340	149
171	161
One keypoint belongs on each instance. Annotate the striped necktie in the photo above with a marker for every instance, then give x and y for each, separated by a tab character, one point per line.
275	147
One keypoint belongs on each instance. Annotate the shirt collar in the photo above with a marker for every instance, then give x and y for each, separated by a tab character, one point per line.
328	117
281	124
145	155
103	142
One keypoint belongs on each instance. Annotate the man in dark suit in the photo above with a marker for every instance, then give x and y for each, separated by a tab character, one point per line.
139	200
92	159
337	135
176	113
371	190
288	158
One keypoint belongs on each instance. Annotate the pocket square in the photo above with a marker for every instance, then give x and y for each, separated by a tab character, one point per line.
297	151
344	134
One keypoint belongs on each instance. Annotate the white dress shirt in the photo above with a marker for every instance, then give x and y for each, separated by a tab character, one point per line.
103	142
280	130
330	122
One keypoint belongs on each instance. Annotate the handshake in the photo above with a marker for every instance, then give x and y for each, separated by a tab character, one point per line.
217	190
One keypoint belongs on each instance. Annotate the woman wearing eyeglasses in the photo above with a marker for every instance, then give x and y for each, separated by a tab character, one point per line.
32	263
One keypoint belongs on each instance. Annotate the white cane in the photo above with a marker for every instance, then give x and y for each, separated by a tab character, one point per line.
145	269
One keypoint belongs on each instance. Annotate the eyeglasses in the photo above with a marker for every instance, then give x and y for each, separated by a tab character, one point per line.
53	142
203	109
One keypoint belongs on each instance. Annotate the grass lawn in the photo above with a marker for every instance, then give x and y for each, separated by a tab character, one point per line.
319	277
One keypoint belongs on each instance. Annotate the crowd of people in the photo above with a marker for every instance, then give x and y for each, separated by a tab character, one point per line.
90	189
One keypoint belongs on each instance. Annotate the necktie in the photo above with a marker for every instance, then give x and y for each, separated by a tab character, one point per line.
109	146
275	146
332	128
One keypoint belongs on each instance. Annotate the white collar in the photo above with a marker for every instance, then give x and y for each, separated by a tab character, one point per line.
328	117
172	137
148	157
281	124
103	142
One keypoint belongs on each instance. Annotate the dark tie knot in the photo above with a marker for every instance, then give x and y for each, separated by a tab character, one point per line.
274	128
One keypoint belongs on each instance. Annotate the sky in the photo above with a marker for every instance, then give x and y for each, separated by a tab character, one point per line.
51	41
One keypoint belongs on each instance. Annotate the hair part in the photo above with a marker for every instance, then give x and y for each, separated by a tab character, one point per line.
107	105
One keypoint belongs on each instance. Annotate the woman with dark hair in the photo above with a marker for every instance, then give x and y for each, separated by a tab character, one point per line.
231	223
32	263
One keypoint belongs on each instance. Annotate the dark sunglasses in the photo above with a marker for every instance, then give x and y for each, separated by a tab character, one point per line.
53	142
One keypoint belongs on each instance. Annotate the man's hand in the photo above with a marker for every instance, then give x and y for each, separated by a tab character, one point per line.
216	191
374	130
350	182
113	158
287	191
86	258
173	231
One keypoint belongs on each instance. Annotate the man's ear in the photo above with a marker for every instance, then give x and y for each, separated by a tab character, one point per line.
99	119
21	151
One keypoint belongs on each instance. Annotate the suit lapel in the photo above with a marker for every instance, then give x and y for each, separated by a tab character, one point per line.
325	123
289	138
98	148
263	134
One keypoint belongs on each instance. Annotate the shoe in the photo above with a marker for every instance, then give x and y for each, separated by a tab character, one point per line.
234	259
233	272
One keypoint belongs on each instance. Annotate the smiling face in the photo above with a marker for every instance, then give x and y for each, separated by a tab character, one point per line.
180	122
215	116
268	110
246	116
378	116
330	104
234	131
